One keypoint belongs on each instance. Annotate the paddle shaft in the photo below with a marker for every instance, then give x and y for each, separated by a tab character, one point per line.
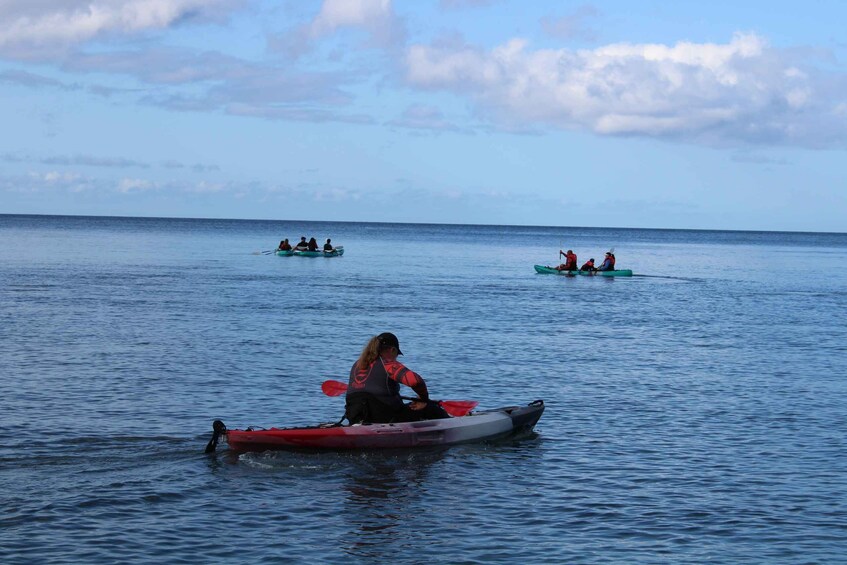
453	407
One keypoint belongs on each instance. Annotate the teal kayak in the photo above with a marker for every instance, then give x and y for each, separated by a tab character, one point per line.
551	271
282	253
334	253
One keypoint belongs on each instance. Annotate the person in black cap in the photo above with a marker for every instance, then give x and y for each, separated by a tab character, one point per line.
373	392
608	262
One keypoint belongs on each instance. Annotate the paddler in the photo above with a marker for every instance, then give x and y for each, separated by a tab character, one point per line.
588	265
373	392
608	262
570	261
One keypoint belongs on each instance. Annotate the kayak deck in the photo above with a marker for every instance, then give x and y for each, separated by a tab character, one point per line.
478	426
552	271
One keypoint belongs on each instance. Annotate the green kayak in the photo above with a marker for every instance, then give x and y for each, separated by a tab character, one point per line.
551	271
334	253
282	253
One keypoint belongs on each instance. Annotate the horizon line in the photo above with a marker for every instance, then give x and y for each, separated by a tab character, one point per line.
418	223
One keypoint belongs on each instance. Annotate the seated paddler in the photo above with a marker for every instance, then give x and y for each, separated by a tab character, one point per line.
373	392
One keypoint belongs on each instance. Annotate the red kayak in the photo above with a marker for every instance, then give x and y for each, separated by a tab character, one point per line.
477	426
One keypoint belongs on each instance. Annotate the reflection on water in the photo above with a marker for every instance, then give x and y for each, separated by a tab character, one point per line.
381	489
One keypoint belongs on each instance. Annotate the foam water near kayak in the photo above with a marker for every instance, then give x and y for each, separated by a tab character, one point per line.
694	412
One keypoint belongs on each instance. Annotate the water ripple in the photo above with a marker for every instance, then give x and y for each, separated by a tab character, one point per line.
694	415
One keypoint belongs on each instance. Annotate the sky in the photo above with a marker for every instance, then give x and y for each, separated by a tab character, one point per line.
648	114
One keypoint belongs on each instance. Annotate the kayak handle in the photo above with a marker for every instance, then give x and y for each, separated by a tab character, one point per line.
218	429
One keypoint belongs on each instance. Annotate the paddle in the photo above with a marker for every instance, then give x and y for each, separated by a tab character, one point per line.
452	407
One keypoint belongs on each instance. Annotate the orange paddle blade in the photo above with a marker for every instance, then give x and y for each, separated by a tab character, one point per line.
333	388
458	407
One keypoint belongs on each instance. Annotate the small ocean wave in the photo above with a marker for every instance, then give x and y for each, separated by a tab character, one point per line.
667	277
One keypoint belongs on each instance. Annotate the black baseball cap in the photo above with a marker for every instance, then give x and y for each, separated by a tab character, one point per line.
390	340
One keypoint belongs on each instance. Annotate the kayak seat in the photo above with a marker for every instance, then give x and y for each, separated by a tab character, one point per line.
357	410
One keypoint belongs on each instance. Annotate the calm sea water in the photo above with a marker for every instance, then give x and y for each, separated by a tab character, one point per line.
696	412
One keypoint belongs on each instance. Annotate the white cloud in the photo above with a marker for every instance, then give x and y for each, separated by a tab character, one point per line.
55	177
351	13
375	16
127	185
56	23
51	181
204	187
741	90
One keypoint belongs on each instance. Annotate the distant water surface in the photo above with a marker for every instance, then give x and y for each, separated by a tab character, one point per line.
696	412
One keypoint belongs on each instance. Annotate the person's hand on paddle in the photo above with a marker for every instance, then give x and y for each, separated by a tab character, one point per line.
417	405
452	407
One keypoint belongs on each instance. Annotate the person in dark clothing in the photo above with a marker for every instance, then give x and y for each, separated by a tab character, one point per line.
284	245
302	245
373	392
328	246
313	244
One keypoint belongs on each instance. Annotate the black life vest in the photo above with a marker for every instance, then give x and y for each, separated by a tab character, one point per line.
375	381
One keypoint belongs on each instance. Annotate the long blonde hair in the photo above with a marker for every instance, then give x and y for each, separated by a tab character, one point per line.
369	353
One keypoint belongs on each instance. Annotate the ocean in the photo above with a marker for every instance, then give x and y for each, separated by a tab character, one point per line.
696	412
